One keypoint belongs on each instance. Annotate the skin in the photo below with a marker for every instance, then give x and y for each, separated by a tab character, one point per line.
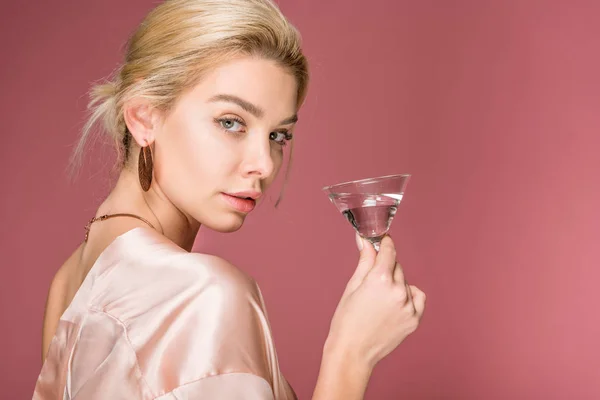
225	135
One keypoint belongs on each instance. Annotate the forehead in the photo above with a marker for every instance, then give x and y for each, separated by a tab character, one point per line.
262	82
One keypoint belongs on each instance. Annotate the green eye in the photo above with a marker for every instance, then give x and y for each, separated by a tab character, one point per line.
230	124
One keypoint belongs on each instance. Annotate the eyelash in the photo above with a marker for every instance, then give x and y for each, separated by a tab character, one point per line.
288	135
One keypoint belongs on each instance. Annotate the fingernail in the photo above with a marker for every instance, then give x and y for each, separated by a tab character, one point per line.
359	242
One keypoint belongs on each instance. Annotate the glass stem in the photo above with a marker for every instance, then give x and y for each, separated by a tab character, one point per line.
376	242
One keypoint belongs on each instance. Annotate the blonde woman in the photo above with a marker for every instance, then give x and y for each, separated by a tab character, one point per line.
200	112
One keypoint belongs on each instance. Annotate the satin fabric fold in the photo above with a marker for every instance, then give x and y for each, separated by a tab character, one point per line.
152	321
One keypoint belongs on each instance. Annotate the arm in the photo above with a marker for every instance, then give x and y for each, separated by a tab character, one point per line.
341	376
378	310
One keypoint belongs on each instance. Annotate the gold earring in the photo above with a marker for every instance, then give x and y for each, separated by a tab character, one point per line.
145	166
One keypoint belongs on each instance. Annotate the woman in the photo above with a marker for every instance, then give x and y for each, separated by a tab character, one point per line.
200	112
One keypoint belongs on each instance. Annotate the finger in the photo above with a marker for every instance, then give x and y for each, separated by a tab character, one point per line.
401	280
410	299
419	299
365	264
399	274
386	260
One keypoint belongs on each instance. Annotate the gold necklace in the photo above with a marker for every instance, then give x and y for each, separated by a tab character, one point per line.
107	216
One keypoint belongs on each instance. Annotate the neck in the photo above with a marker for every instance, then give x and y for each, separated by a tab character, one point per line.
128	197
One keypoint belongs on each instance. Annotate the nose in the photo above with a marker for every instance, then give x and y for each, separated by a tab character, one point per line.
259	160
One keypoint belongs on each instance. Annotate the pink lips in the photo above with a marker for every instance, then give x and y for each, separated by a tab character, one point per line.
244	205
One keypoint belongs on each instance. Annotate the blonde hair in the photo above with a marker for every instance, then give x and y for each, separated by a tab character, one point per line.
176	44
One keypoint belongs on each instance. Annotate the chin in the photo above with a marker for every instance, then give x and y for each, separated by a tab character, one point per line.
226	223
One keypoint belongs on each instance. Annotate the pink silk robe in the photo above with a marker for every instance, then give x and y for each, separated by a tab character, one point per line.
152	321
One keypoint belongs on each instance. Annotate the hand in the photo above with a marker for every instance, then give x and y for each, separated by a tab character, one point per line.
378	309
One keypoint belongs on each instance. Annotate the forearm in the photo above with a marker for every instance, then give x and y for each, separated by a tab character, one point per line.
341	376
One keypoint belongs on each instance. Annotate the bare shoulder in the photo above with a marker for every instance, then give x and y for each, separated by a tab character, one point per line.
60	293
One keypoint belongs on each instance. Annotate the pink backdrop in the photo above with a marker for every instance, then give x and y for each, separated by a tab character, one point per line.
491	105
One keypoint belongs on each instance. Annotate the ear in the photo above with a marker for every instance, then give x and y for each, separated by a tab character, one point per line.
141	119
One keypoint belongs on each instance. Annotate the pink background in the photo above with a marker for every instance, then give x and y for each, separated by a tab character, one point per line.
493	106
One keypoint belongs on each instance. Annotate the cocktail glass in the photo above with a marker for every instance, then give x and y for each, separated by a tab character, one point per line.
369	204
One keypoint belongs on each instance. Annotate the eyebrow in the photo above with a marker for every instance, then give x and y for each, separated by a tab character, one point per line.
249	107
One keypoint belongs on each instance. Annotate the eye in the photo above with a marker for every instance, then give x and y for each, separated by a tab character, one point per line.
231	124
281	138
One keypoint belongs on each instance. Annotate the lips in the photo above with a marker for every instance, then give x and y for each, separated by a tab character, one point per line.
252	194
243	204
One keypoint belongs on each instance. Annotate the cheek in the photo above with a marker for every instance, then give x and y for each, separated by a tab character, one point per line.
277	155
197	144
190	153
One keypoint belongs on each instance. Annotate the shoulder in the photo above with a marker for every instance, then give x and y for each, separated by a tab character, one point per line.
220	270
197	274
206	318
192	289
166	277
217	286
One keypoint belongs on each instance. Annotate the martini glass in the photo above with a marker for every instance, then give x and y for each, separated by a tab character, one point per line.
369	204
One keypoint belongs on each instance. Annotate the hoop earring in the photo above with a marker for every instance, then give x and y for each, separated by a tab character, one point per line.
145	166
